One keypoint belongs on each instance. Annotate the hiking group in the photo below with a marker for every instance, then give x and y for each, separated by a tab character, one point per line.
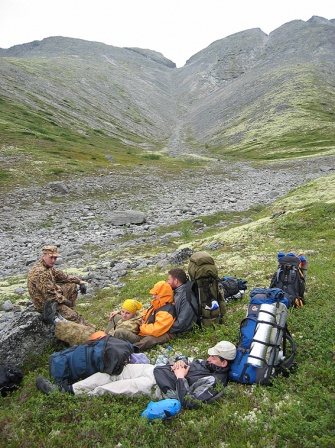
177	306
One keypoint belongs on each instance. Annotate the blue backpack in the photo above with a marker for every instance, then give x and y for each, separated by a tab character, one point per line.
108	355
262	350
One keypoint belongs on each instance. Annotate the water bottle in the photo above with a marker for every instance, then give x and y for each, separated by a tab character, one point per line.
214	306
163	358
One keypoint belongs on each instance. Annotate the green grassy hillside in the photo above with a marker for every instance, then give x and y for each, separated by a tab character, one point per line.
288	112
295	412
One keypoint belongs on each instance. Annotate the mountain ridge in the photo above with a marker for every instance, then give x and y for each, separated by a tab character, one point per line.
239	96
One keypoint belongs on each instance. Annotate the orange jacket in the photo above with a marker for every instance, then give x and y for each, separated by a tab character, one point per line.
159	318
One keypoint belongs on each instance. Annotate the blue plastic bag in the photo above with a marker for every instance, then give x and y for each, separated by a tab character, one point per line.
162	409
139	358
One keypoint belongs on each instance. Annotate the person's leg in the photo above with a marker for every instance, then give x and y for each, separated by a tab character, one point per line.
147	342
165	378
92	382
127	335
135	379
72	315
70	292
73	333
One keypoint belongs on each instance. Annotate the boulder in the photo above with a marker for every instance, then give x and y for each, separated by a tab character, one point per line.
121	218
23	334
59	187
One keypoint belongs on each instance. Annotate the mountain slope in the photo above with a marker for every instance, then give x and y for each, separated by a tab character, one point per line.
249	95
259	91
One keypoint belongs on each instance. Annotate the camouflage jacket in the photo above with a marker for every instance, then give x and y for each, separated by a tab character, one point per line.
42	284
132	324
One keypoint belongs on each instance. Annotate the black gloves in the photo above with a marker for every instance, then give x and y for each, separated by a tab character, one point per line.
83	288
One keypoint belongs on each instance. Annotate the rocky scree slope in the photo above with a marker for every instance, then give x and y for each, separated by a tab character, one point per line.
79	215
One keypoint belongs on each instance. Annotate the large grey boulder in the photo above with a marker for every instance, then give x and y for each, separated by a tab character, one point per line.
58	187
121	218
23	334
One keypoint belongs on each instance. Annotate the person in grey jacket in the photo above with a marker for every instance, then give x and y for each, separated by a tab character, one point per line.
195	383
186	311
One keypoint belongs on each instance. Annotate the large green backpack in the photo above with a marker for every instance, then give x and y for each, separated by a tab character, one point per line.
204	282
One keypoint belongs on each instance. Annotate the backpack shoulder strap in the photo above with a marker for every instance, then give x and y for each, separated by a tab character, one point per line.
191	287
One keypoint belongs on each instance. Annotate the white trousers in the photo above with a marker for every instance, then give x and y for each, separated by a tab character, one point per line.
135	379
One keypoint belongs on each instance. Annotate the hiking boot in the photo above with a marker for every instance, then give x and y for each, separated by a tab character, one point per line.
45	386
49	311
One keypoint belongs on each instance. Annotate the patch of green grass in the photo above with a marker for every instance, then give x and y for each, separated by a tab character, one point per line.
151	156
4	175
186	231
33	143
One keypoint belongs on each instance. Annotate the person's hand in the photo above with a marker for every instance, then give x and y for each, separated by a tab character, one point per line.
83	288
178	364
181	371
112	314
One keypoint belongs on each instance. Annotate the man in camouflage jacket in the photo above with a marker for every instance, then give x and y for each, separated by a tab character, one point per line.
46	282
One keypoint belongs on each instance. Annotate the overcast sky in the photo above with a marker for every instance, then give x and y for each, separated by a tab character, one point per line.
176	28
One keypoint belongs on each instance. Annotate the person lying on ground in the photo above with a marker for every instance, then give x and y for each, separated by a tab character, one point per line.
52	288
196	382
190	383
123	324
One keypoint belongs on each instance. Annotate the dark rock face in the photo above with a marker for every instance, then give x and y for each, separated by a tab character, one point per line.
23	334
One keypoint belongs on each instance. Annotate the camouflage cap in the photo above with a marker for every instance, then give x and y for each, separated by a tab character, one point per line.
51	250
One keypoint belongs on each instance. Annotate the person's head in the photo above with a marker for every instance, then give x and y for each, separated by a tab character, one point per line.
129	308
162	291
176	277
222	354
50	255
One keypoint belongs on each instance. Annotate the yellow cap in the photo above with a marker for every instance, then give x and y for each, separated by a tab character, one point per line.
131	305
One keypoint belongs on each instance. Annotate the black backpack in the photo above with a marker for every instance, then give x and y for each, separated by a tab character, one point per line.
10	378
290	278
204	282
233	288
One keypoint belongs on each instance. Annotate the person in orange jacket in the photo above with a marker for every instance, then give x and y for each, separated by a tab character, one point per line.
158	319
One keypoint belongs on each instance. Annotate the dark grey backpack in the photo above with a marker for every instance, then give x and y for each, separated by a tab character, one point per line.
10	378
